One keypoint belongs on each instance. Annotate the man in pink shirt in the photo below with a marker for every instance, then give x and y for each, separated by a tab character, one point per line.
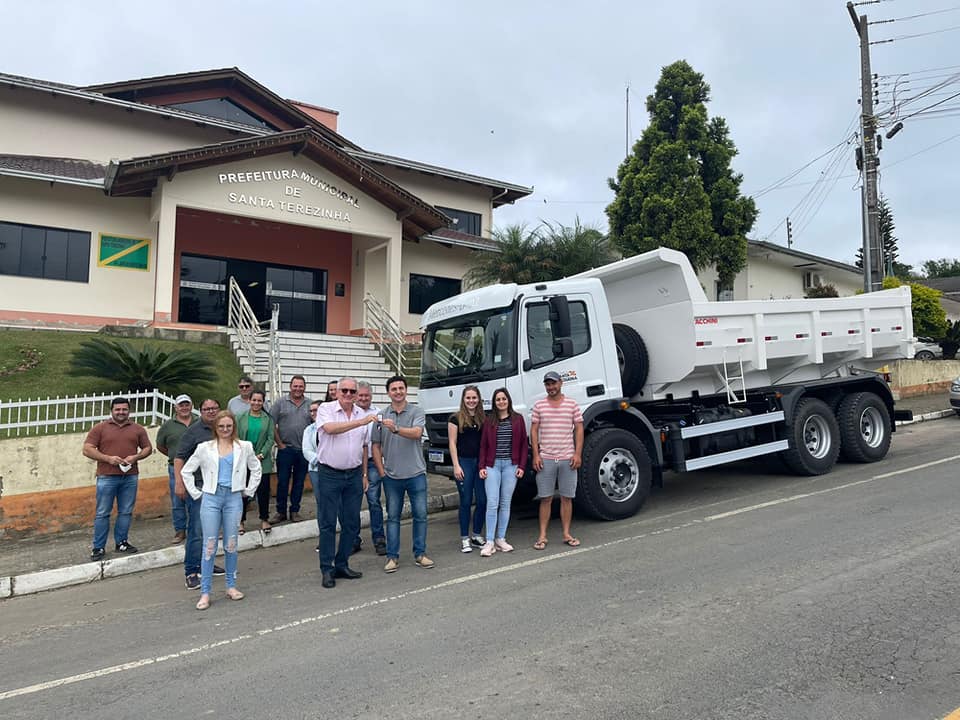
556	436
342	479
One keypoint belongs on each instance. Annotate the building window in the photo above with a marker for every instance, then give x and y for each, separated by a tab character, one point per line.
724	292
425	290
42	252
541	332
225	109
463	221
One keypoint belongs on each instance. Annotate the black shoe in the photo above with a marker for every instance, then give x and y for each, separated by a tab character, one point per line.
217	570
347	573
97	554
126	547
357	546
328	581
192	582
380	546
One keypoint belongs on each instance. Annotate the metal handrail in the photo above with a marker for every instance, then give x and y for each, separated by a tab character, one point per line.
385	333
251	332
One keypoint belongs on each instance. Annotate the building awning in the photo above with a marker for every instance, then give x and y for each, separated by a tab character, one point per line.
139	176
70	171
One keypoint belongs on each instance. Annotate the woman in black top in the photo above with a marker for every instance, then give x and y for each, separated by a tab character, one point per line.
463	432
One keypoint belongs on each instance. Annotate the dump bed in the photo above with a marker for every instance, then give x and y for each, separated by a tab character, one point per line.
726	347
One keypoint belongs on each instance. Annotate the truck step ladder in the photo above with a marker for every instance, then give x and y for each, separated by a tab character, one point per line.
729	379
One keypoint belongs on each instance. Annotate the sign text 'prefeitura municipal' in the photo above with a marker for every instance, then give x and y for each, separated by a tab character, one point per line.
292	182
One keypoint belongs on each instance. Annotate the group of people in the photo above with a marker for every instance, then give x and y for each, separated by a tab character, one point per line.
219	462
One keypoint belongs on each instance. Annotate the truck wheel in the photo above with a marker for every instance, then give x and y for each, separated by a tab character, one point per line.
814	438
632	357
864	427
615	476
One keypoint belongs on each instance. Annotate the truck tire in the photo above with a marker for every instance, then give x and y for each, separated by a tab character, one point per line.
632	357
814	439
615	476
864	427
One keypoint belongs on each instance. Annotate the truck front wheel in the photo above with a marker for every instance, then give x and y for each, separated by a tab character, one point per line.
814	439
864	427
615	476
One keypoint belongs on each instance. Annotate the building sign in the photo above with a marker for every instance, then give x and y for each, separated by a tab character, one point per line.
123	252
284	193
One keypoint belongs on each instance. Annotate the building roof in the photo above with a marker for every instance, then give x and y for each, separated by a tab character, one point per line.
446	236
504	192
56	169
139	176
798	258
946	285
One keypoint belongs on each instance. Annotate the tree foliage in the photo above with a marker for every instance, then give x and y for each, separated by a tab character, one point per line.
677	189
547	252
888	241
929	317
950	342
824	291
944	267
142	368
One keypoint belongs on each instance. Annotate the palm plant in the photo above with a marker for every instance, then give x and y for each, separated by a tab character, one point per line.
521	257
141	368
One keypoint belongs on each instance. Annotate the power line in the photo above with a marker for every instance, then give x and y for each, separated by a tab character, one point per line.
915	35
918	72
929	107
919	152
914	17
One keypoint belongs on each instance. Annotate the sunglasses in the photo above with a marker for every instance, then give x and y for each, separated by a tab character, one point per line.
244	387
348	391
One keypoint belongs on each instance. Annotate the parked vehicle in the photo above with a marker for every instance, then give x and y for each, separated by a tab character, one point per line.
927	349
955	395
668	380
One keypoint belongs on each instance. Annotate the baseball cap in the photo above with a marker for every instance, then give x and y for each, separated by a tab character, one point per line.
182	398
551	376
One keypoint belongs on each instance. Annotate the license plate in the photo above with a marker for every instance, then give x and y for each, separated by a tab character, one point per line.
435	456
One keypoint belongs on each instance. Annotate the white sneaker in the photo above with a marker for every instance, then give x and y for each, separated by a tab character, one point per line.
488	549
477	541
503	545
465	545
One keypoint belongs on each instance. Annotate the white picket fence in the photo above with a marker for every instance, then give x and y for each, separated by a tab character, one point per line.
79	412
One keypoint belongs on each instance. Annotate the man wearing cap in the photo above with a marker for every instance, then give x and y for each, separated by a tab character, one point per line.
168	439
556	436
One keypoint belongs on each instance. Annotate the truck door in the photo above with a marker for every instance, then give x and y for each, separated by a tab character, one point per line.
582	370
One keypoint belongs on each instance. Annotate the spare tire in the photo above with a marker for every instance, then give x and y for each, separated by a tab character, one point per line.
632	358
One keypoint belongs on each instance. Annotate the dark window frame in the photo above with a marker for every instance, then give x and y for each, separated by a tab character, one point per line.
464	221
537	362
416	301
72	247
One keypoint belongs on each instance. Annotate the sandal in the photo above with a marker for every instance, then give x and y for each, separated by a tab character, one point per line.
203	603
241	530
265	527
571	541
234	594
540	544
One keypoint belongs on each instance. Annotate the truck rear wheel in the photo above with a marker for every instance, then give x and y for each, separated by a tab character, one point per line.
864	427
615	476
814	438
632	358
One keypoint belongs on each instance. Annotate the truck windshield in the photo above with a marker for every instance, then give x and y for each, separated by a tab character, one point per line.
469	348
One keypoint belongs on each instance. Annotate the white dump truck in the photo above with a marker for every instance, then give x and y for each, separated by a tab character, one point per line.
668	380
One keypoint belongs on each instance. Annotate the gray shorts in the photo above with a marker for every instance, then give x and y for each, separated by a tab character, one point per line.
557	474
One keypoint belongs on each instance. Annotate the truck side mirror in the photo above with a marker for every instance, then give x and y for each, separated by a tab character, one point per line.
562	348
560	316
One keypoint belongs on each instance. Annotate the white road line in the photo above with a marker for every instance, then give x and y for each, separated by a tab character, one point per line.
50	684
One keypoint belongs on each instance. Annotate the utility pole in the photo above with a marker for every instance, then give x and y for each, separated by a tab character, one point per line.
872	252
626	129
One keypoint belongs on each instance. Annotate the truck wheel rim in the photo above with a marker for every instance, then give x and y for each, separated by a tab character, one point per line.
871	427
816	436
619	474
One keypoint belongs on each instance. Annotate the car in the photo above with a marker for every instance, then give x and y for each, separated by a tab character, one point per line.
955	395
927	349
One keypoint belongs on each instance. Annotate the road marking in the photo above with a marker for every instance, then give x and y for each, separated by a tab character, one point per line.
92	675
955	715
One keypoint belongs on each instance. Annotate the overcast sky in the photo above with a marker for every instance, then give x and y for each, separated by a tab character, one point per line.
534	92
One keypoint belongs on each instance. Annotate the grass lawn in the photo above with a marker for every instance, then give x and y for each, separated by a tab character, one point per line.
50	378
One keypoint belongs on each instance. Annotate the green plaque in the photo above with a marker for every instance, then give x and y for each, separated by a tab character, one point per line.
123	252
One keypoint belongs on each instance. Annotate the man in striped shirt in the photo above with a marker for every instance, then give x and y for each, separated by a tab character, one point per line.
556	436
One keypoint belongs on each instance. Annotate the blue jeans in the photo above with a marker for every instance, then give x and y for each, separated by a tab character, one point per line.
191	548
178	510
290	460
123	489
338	493
220	511
315	483
416	488
470	488
377	533
500	483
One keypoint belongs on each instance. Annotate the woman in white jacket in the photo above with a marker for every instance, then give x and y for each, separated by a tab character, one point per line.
223	463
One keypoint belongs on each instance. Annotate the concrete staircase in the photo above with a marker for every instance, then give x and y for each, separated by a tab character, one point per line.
321	358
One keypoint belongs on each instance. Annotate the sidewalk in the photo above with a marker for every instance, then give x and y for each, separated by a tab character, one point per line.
35	564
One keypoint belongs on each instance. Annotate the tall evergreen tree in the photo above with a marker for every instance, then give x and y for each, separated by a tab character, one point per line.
889	243
677	189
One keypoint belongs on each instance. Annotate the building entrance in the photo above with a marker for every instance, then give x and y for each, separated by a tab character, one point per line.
300	293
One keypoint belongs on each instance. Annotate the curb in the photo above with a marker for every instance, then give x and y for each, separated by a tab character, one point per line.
935	415
35	582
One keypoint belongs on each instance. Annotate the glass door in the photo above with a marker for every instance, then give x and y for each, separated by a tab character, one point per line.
301	295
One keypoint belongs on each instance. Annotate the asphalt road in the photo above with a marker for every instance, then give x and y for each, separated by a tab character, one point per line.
741	593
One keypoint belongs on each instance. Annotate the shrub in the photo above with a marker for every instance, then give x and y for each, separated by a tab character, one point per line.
142	368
